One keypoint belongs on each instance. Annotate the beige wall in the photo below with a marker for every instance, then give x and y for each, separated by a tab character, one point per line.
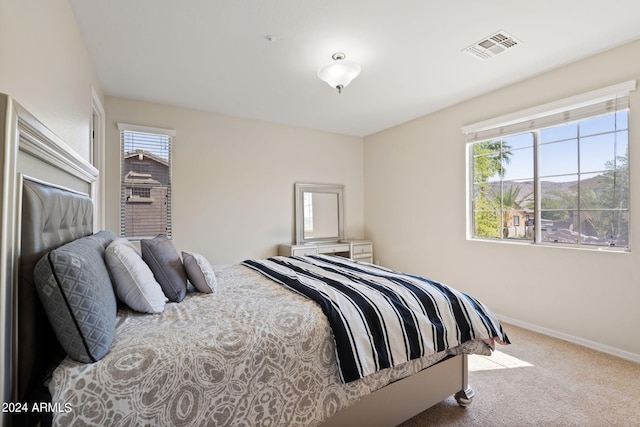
45	66
233	179
415	214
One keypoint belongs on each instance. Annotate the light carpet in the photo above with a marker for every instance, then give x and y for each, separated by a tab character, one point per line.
543	381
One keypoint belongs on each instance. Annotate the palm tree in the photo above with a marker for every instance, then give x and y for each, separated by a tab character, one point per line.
490	159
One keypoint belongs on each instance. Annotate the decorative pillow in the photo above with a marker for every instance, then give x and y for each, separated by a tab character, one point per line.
74	287
104	238
199	272
133	279
163	259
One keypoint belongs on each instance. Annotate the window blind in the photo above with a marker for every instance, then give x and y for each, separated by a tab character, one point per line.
602	101
145	203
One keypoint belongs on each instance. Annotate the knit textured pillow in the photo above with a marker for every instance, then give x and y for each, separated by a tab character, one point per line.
75	289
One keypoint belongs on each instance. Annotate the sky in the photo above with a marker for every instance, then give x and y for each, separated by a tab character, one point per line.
602	139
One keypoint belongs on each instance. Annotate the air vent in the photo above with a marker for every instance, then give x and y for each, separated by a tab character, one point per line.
492	45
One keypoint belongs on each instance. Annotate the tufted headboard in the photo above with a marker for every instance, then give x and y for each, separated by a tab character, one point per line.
51	216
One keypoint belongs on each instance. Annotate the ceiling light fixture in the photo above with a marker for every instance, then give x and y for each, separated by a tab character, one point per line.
340	72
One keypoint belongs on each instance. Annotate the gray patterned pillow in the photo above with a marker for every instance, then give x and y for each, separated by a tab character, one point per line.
76	292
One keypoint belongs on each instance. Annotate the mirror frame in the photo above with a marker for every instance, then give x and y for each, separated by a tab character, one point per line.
301	188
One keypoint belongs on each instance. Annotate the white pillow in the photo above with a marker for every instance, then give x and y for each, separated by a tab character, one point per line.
133	279
199	272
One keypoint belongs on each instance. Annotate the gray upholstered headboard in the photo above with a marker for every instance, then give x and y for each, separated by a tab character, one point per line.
51	216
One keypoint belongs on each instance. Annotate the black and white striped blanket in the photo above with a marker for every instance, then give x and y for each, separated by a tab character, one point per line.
382	318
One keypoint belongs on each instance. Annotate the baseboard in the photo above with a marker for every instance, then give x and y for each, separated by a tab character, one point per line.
572	339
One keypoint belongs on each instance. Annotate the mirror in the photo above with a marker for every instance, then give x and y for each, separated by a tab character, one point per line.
319	213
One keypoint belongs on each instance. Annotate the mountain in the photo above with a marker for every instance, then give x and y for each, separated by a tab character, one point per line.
551	188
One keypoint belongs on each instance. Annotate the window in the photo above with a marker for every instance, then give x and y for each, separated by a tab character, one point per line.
145	208
139	193
564	169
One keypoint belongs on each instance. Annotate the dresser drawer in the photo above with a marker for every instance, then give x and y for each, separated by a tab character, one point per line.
361	248
304	251
363	257
297	250
333	249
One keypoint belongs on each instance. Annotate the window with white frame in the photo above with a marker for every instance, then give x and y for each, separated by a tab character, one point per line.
563	167
145	197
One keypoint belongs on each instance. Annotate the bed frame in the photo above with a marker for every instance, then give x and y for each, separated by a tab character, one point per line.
47	194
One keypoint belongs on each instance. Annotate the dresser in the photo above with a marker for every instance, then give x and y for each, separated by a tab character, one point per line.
357	250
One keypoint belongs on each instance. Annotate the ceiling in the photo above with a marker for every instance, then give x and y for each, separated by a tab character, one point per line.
213	55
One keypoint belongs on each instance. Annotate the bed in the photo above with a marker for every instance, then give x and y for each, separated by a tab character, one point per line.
253	352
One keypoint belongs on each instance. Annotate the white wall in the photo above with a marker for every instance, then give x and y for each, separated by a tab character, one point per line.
415	214
45	66
233	179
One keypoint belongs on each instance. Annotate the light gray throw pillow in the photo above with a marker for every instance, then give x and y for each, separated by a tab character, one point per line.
133	280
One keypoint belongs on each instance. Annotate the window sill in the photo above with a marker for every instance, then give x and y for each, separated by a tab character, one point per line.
610	249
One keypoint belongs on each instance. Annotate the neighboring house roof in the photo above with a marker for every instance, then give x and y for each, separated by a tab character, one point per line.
522	205
142	155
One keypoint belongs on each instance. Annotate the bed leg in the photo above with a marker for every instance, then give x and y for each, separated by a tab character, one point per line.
464	397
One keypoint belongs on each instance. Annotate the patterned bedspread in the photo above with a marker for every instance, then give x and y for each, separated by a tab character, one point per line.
252	354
